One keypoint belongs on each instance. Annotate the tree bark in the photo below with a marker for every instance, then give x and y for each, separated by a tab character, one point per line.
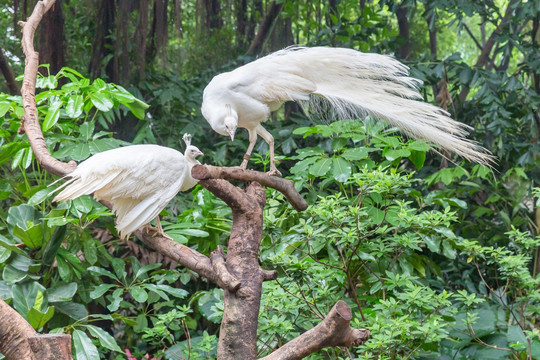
8	74
265	28
19	341
30	121
404	50
51	39
241	20
334	330
102	45
140	38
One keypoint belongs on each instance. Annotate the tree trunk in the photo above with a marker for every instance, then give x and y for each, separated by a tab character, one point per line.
212	11
103	45
404	50
51	39
121	52
265	28
159	33
140	38
8	74
241	20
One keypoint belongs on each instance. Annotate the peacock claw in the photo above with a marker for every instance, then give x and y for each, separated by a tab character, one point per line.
274	172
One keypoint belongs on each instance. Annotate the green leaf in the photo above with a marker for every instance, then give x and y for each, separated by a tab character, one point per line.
74	107
321	167
21	216
40	196
51	249
84	348
147	268
53	113
101	101
24	296
10	245
418	158
38	319
356	154
90	249
32	237
62	292
13	275
100	290
4	107
116	299
105	339
448	250
86	130
341	169
94	270
138	293
176	292
81	151
75	311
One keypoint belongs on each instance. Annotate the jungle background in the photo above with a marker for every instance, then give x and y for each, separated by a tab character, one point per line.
438	257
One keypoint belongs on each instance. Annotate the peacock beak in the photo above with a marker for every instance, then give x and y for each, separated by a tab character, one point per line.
231	133
199	153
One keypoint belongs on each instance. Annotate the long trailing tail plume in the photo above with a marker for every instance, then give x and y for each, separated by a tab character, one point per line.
356	84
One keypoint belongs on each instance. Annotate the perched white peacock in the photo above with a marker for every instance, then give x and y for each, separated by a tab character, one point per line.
138	180
352	82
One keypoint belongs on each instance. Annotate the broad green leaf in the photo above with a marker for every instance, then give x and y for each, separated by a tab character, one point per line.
4	107
84	348
74	107
90	250
341	169
101	101
53	113
94	270
61	292
356	154
51	249
176	292
40	196
75	311
38	318
321	167
32	237
13	275
138	293
81	151
418	158
83	204
100	290
10	245
24	296
146	268
116	300
21	216
86	130
105	339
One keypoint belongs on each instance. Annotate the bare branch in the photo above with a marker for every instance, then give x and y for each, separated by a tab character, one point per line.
334	330
184	255
30	122
286	187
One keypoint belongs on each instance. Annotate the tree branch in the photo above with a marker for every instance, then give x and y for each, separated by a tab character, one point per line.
18	340
286	187
334	330
8	74
264	29
188	257
30	122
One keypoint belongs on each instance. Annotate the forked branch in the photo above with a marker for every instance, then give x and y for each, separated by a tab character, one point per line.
286	187
334	330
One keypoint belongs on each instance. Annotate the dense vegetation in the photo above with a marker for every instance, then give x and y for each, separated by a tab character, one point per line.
438	258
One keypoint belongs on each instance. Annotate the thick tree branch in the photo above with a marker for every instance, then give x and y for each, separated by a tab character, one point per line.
264	29
18	340
286	187
187	257
334	330
8	74
218	263
490	43
30	123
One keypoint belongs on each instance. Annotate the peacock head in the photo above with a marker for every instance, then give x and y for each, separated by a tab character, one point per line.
231	121
191	151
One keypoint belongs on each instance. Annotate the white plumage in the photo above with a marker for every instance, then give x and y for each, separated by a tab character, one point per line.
352	82
138	180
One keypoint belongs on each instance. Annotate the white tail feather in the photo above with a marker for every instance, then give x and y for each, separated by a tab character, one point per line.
356	84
